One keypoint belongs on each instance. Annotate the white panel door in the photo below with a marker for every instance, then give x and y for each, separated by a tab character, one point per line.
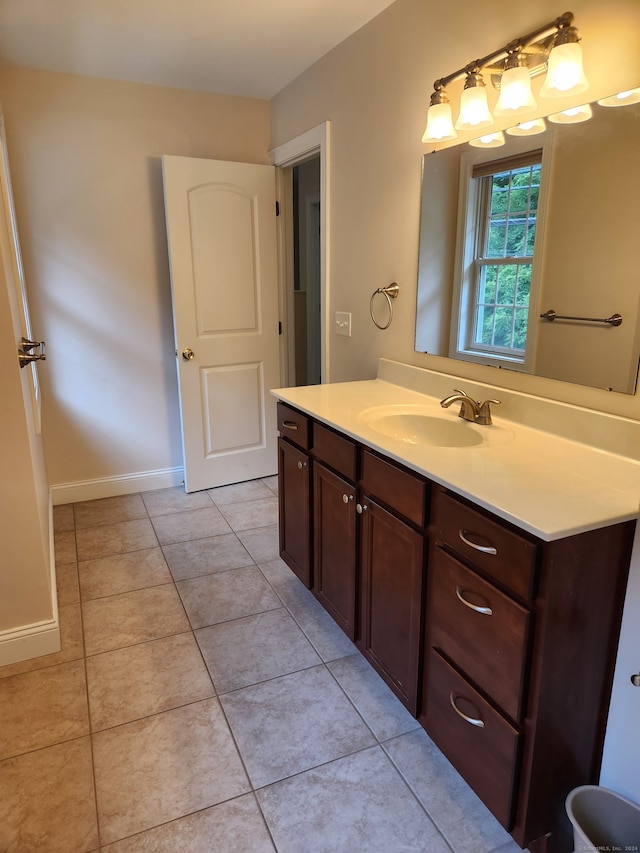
221	231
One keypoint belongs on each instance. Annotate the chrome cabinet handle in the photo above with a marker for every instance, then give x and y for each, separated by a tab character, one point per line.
290	424
474	721
486	549
360	508
486	610
347	498
302	465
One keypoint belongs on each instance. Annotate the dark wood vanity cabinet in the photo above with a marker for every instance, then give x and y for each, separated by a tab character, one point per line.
366	527
368	562
392	566
391	571
501	644
520	645
294	492
335	555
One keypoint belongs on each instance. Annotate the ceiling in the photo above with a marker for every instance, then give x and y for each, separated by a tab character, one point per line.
251	48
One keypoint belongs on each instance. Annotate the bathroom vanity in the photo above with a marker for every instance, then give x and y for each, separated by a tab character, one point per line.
480	569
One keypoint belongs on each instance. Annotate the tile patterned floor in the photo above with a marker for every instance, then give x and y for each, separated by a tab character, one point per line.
204	701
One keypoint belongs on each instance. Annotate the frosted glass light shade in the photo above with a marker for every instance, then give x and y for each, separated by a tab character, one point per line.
490	140
439	124
515	92
528	128
565	75
474	109
573	115
622	99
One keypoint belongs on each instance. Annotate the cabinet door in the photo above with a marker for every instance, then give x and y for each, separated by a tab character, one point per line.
335	547
295	509
392	568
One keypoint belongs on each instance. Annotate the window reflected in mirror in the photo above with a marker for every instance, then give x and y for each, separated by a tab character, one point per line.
497	257
544	223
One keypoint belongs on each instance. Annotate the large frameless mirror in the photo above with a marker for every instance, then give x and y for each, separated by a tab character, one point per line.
527	251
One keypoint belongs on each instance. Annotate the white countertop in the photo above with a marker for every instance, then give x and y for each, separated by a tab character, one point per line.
542	482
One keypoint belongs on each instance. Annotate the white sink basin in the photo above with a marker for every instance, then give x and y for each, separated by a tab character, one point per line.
418	425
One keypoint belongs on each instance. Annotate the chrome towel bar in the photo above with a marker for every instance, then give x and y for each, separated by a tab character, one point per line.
613	320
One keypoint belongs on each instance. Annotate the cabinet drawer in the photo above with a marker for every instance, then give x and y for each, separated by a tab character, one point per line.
485	542
336	450
395	487
483	747
483	631
294	426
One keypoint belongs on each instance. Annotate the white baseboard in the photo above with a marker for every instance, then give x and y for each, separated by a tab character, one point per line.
126	484
40	638
29	641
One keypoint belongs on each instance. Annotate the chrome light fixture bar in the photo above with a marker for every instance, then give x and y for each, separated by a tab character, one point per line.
554	47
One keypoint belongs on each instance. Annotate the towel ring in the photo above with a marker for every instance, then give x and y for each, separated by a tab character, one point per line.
390	292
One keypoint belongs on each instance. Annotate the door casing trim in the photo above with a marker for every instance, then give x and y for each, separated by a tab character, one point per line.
285	156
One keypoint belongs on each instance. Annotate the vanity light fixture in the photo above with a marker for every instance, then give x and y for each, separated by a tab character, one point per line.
439	119
553	48
565	75
572	116
490	140
474	108
528	128
515	86
622	99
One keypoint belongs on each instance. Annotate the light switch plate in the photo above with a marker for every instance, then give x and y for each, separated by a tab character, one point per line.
343	323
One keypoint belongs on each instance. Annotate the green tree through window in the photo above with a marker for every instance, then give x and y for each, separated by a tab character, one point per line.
508	205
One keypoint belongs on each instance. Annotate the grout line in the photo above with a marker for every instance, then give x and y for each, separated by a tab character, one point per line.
86	682
35	749
142	832
128	591
411	788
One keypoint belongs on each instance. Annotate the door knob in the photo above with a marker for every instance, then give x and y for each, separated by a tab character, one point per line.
188	354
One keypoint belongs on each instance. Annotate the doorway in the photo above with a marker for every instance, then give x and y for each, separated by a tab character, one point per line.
309	335
306	272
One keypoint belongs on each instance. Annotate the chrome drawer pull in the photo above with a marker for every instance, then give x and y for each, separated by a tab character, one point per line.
486	549
474	721
486	610
290	424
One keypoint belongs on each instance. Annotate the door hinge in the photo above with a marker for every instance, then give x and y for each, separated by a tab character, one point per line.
277	208
279	327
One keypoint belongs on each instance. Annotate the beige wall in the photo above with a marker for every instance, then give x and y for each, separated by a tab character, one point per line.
590	250
374	88
85	161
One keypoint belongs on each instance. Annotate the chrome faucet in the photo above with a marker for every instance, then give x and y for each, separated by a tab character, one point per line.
470	409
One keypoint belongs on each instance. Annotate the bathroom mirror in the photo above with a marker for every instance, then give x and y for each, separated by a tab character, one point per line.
585	266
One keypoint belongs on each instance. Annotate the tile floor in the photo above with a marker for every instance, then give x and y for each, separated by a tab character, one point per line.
204	701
